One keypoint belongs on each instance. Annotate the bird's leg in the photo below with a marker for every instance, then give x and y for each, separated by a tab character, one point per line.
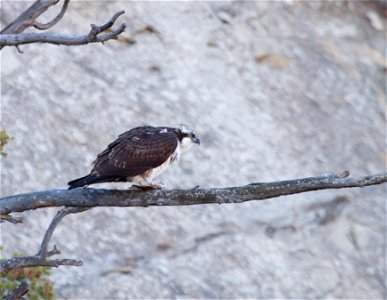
145	185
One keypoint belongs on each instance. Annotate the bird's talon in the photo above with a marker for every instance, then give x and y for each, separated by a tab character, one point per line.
148	187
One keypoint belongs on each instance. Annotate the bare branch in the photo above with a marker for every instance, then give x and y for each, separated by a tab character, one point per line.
59	216
84	199
8	218
111	22
17	293
12	34
17	48
27	18
93	36
40	259
50	24
35	261
256	191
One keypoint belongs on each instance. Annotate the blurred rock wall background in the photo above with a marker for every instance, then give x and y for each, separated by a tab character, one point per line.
275	90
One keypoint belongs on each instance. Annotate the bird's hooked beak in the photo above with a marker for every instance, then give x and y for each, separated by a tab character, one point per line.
196	141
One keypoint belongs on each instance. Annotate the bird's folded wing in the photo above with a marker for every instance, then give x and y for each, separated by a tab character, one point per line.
134	153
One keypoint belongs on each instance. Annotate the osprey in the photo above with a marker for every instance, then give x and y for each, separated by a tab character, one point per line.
139	155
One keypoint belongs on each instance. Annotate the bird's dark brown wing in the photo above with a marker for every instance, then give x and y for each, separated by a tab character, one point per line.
135	152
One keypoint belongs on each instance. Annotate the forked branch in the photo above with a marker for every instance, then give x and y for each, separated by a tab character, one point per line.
41	259
29	16
79	200
12	34
93	36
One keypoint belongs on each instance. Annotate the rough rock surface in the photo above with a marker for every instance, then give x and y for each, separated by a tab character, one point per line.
275	91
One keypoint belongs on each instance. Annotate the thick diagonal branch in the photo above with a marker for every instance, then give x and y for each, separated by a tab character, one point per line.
256	191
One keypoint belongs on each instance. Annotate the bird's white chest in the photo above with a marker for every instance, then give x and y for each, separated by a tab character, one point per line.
156	171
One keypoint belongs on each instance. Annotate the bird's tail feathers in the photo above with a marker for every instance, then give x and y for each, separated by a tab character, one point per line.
89	179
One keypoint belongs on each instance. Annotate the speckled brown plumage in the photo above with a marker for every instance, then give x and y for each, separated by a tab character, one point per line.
134	153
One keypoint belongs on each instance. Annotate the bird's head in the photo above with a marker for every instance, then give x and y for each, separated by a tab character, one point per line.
187	137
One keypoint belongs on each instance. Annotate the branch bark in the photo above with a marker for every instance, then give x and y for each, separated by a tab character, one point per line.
84	199
40	259
28	17
12	34
60	39
50	24
17	293
255	191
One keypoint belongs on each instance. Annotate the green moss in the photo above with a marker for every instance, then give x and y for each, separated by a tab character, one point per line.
4	140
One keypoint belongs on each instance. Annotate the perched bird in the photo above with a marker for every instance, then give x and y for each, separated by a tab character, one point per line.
139	155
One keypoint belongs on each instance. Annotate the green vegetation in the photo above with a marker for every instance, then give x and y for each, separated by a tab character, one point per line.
39	283
4	139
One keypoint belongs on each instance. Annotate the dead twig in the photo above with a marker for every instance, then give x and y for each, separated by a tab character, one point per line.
40	259
50	24
8	218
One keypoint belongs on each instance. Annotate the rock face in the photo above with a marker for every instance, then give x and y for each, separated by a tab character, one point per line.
274	90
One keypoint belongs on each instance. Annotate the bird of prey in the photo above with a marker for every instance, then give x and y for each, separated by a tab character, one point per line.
139	155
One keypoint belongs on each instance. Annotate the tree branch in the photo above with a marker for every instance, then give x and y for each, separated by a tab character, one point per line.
40	259
59	216
93	36
17	293
12	34
50	24
83	199
58	39
14	220
256	191
27	18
